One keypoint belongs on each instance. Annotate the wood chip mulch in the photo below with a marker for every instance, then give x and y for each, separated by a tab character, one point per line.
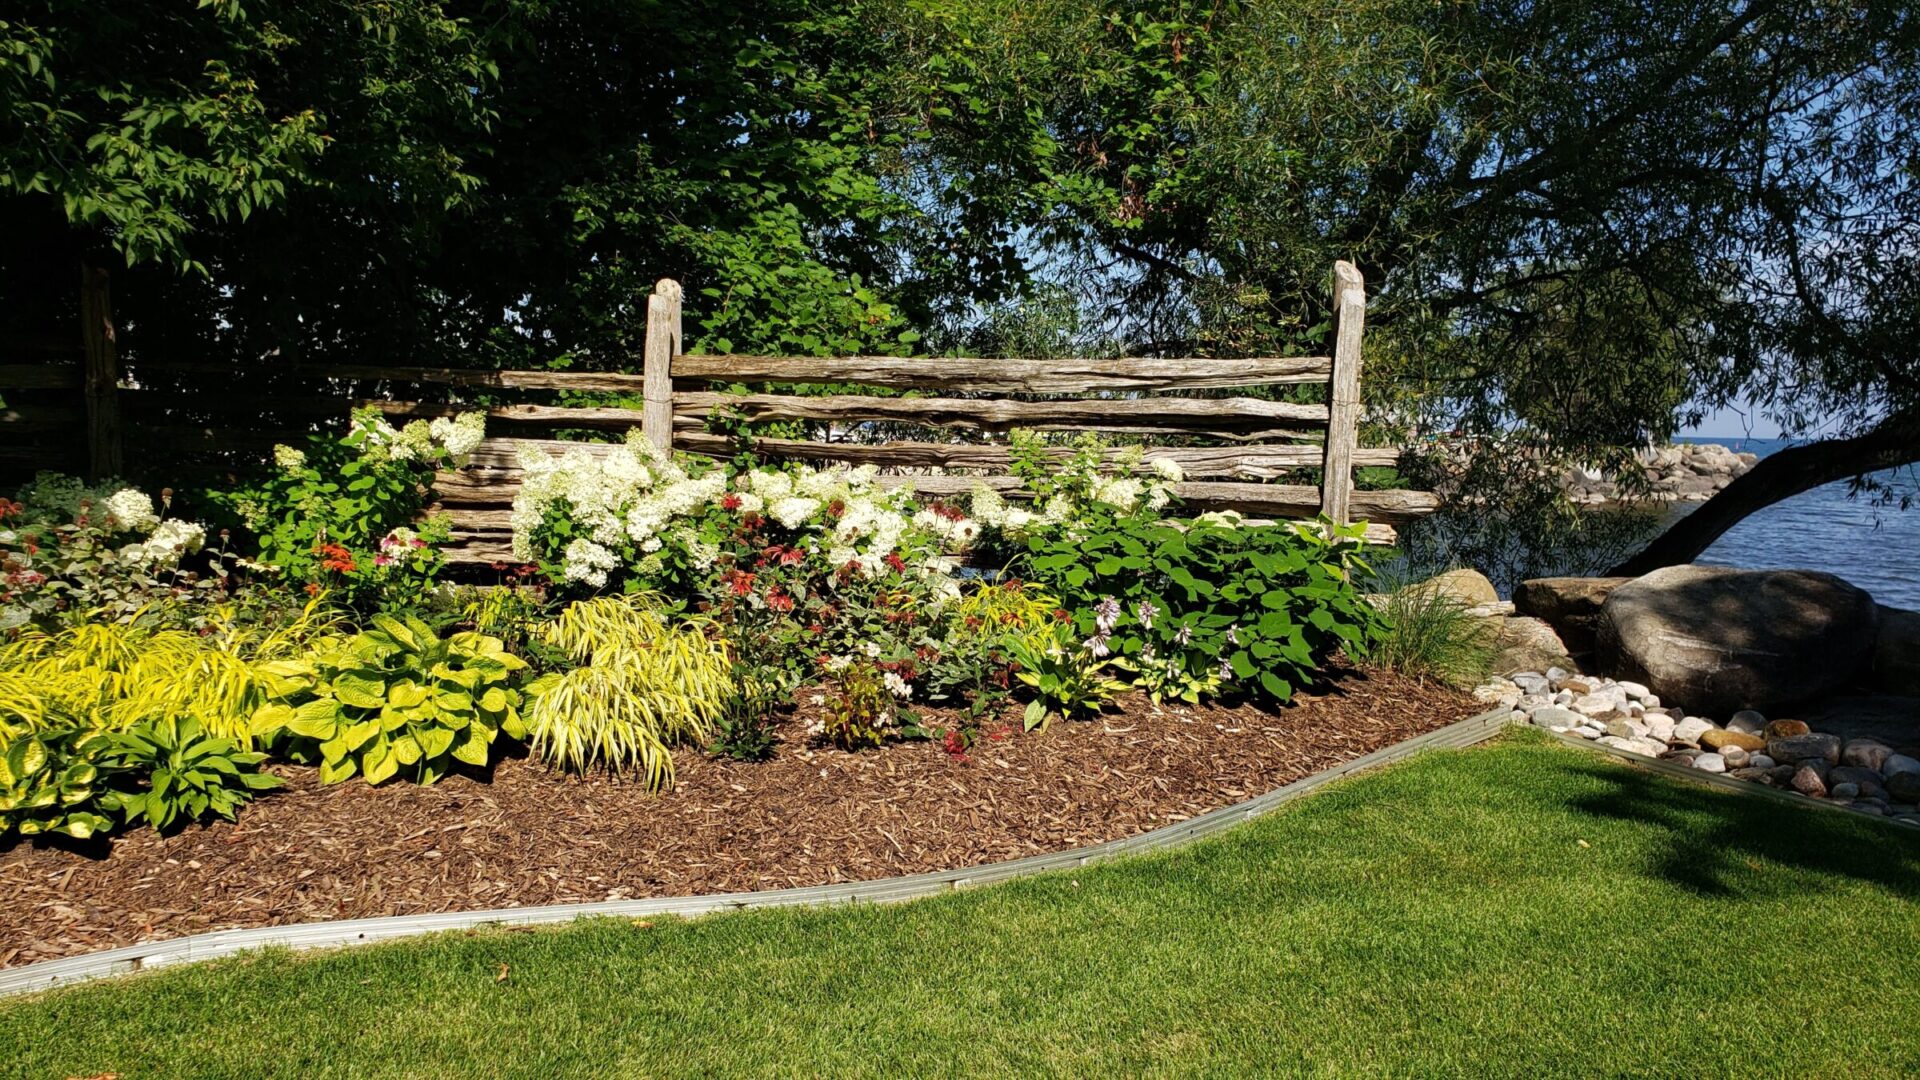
809	816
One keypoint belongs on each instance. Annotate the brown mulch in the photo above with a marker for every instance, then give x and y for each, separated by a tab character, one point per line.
809	816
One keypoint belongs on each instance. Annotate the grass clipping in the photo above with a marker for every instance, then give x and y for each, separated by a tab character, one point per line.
641	686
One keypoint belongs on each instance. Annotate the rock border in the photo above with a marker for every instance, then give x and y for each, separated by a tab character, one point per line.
1714	780
129	959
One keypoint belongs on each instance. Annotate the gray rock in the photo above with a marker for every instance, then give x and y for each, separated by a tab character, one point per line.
1618	743
1761	761
1782	774
1621	729
1683	755
1531	682
1799	747
1747	722
1808	780
1552	716
1570	605
1758	776
1710	763
1690	729
1855	775
1866	753
1521	642
1634	690
1659	726
1899	763
1717	639
1896	653
1470	587
1590	730
1843	791
1736	757
1904	787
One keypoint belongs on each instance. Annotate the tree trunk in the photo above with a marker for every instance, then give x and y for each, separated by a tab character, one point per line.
1894	442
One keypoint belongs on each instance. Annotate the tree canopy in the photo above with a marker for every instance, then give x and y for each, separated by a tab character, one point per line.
1589	222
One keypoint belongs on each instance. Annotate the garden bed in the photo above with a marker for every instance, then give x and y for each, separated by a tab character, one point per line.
809	816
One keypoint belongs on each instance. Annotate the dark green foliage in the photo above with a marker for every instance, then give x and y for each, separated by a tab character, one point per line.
180	775
1204	608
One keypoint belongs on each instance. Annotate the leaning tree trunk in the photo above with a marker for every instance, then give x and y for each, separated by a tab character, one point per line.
1894	442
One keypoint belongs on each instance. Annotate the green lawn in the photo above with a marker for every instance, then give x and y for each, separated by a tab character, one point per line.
1521	909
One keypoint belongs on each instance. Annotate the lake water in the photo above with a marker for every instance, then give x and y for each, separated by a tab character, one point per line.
1875	548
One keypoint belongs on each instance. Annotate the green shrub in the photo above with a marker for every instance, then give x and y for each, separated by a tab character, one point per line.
858	708
1429	634
1261	609
50	783
177	774
397	697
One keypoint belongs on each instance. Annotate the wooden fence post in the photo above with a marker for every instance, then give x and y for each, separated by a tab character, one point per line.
101	379
663	341
1343	391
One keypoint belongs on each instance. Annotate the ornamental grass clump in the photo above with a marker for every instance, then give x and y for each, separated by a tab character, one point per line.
640	686
111	676
1431	635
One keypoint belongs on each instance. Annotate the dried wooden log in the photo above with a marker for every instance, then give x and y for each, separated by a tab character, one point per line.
968	374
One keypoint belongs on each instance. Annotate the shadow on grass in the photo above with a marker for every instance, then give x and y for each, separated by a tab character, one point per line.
1716	840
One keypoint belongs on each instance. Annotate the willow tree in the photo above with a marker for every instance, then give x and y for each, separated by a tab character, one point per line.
1591	222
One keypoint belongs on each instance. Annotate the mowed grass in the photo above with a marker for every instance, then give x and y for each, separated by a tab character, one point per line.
1520	909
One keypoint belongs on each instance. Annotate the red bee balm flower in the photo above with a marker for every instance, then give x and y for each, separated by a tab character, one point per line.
730	502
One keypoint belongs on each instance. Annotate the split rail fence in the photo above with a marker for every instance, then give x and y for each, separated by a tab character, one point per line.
959	405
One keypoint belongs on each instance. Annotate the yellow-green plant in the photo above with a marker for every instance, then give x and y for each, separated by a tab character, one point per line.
641	686
396	697
49	783
110	676
1010	608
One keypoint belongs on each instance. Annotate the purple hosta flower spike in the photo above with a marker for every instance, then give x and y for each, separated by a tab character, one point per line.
1147	613
1106	614
1233	635
1226	669
1185	635
1097	645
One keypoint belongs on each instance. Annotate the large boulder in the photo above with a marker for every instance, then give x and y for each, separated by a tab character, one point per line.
1469	587
1571	605
1524	644
1896	655
1716	640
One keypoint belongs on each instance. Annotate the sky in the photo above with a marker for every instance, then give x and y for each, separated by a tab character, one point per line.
1733	422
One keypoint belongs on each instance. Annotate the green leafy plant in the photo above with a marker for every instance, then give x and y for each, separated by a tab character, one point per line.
1429	634
858	707
1261	609
50	783
744	729
640	686
396	698
188	775
1068	676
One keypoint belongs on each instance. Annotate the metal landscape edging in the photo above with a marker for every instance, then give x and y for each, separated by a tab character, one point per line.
127	959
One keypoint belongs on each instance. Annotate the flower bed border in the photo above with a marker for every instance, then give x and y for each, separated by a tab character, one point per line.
128	959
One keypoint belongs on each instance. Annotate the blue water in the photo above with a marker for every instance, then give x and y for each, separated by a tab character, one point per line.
1875	548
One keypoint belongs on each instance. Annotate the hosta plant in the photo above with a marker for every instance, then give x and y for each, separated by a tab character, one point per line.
50	783
639	686
1066	675
189	775
396	699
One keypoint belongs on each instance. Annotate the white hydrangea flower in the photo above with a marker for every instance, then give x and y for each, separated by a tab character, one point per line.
794	511
588	562
459	436
1167	469
130	510
288	459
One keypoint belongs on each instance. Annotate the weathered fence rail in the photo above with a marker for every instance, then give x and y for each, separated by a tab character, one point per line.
1253	455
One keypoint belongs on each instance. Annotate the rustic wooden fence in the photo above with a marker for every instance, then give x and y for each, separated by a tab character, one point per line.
1231	449
1268	439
